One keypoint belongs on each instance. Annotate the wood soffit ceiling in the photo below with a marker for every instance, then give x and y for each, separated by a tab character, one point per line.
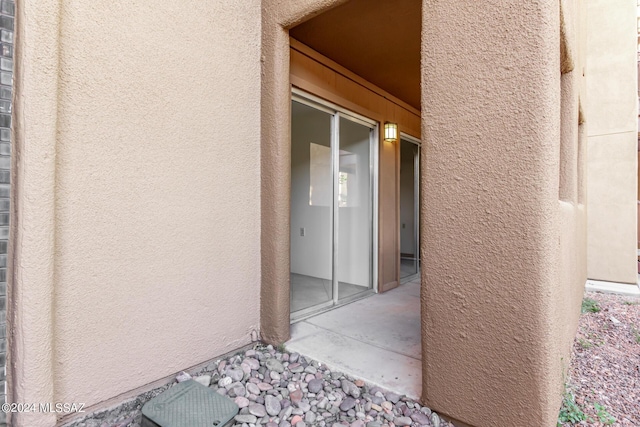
377	39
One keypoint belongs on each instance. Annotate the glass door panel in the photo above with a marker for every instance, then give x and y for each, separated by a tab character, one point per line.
311	208
409	187
332	207
354	223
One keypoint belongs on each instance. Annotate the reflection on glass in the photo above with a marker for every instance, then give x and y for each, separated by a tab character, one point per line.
354	201
311	195
409	246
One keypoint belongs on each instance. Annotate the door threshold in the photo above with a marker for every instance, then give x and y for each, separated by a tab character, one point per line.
314	311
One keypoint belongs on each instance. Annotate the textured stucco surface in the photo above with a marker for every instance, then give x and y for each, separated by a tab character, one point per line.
495	265
138	193
612	119
502	282
32	282
277	17
612	207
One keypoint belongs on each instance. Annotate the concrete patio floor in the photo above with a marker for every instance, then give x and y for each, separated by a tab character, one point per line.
376	339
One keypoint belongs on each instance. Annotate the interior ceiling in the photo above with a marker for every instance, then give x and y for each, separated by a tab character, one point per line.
377	39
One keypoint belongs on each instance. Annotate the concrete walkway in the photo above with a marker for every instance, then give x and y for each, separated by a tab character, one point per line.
376	339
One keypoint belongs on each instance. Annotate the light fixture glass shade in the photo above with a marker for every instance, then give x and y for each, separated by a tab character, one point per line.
390	132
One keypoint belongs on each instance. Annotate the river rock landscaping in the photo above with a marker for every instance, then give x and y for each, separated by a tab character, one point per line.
275	388
603	386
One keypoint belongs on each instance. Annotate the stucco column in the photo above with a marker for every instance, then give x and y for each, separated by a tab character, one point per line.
276	181
490	126
275	106
33	210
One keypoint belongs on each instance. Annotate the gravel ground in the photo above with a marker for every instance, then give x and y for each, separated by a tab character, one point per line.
281	389
605	365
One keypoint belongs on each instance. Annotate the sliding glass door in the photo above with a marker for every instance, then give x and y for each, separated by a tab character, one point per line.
332	215
409	208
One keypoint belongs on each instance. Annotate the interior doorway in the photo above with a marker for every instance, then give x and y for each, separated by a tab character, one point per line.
333	187
409	208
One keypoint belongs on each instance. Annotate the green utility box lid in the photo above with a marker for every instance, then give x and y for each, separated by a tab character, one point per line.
188	404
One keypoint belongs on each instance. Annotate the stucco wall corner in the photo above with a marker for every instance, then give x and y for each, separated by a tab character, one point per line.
491	353
30	364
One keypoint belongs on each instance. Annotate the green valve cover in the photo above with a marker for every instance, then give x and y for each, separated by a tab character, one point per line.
188	404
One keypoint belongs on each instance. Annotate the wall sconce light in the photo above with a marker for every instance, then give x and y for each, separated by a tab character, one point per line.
390	132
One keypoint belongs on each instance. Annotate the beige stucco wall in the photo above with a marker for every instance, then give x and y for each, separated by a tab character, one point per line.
612	120
137	198
504	269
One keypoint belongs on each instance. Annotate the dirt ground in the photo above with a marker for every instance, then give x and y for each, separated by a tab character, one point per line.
604	375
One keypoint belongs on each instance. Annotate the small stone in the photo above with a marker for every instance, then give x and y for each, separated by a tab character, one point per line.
393	398
375	407
435	419
347	404
402	421
251	419
322	404
293	357
225	382
254	336
310	417
272	405
386	405
305	406
274	364
296	397
350	388
315	385
241	401
310	369
264	386
253	363
258	410
359	383
235	374
286	412
295	420
357	423
300	424
296	368
284	423
237	389
205	380
252	388
420	418
182	377
374	424
615	321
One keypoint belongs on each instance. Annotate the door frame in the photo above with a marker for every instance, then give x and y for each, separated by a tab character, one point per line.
337	112
416	206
